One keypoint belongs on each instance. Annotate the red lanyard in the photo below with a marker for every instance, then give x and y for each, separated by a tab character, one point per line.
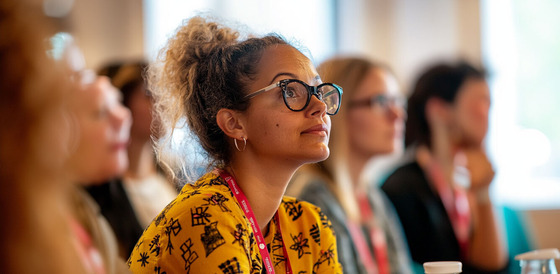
91	258
376	235
363	249
456	205
244	203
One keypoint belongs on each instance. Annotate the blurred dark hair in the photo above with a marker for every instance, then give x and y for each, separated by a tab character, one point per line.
127	76
443	81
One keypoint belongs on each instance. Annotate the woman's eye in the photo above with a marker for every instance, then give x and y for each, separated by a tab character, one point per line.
382	101
103	111
290	92
100	113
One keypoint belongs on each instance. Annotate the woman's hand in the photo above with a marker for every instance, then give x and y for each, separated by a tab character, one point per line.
480	169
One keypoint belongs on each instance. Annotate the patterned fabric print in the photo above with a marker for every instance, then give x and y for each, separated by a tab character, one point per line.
188	255
211	238
308	238
204	230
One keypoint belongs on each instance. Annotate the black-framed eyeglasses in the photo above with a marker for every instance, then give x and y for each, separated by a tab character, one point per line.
381	101
297	94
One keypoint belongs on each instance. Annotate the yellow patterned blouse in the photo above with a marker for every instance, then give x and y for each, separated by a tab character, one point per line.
204	230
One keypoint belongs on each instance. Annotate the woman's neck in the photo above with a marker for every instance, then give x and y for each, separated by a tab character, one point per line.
141	160
263	183
356	163
440	159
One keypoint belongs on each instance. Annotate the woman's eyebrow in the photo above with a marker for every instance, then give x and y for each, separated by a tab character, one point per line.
291	75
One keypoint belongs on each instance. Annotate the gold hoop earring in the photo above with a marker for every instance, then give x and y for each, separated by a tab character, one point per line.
244	144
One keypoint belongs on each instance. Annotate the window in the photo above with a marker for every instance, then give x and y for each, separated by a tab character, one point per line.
310	23
520	43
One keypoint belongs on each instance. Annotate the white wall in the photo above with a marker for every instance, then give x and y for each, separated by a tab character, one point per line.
402	33
108	29
406	34
544	225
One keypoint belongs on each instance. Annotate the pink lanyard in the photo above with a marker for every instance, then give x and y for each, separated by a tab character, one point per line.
377	237
86	249
363	249
456	205
244	203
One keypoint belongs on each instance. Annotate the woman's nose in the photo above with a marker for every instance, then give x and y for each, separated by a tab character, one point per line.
121	116
395	111
316	106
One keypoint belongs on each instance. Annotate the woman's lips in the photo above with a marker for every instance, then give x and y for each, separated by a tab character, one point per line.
120	145
320	129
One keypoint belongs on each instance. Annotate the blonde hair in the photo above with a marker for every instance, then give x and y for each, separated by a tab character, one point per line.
349	73
205	67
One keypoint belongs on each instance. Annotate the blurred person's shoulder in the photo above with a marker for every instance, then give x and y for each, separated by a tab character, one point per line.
404	175
307	179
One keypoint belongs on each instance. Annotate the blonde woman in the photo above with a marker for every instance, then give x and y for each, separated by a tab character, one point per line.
369	124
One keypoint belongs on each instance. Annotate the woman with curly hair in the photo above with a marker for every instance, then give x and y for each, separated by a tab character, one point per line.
260	110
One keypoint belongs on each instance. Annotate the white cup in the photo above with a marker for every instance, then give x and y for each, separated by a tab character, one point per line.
448	267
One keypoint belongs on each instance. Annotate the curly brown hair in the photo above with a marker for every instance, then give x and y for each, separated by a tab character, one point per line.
205	67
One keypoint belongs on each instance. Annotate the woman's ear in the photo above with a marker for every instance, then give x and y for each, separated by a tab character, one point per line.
229	121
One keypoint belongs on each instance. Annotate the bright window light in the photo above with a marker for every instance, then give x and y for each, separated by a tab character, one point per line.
310	24
520	43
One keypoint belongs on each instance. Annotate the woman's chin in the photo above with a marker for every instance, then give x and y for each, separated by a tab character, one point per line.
321	155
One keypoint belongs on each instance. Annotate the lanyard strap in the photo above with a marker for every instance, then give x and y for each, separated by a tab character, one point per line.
288	265
363	250
456	205
246	207
376	235
89	254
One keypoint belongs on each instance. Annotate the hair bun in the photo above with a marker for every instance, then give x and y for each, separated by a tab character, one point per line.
202	38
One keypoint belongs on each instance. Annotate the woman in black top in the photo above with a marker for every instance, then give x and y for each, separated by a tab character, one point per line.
442	197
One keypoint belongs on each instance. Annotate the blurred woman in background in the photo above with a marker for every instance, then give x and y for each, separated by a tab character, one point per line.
100	127
441	195
34	100
369	124
131	201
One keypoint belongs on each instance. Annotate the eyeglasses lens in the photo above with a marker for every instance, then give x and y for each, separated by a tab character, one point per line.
330	97
384	102
295	95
